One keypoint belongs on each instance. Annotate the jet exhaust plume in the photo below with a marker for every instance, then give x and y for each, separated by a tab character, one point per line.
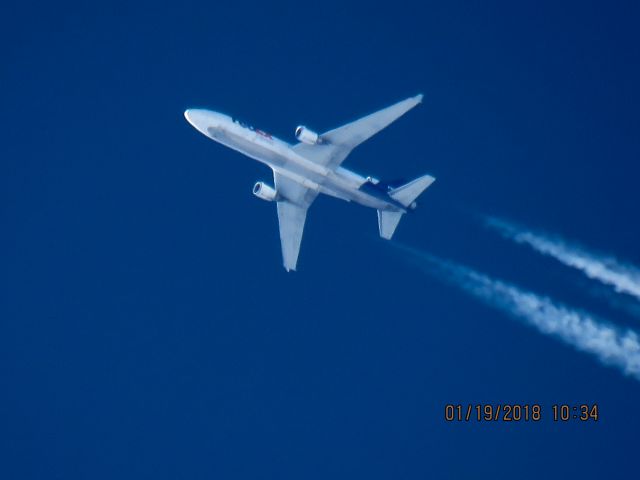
623	278
581	330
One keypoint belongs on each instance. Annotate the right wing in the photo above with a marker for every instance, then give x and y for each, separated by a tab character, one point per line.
292	213
338	143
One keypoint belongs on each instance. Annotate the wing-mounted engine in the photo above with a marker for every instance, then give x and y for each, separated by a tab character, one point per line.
265	192
304	135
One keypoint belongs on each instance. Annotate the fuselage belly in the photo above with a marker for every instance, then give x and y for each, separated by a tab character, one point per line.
279	155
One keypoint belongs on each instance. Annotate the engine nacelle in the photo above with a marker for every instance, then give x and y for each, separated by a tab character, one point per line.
265	192
373	180
305	135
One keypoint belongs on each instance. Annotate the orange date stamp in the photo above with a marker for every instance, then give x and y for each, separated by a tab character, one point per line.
514	412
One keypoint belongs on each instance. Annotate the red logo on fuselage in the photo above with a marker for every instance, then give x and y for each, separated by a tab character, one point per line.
264	134
257	130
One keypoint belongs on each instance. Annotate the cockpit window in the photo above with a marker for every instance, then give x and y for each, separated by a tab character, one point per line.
242	124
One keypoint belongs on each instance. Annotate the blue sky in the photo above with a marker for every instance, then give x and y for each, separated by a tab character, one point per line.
147	327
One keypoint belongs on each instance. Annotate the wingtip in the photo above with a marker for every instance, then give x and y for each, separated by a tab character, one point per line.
419	97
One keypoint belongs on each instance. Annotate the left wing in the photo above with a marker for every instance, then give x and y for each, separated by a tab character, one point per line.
292	213
338	143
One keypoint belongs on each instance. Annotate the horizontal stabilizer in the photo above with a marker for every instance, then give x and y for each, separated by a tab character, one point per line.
406	194
387	223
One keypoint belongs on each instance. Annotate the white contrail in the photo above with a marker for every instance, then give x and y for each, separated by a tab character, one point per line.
609	344
624	278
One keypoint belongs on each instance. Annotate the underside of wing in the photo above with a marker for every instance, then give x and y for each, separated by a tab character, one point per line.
336	144
291	219
292	213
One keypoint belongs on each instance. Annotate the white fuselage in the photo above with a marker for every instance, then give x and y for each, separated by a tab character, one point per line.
284	160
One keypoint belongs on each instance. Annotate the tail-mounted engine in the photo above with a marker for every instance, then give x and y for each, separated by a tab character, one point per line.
265	192
304	135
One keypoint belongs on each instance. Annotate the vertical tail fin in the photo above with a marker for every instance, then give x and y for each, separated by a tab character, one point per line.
406	195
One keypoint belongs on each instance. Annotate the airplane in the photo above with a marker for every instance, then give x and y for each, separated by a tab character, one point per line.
312	166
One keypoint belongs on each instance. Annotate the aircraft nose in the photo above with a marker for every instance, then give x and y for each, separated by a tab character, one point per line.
202	119
193	115
199	119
